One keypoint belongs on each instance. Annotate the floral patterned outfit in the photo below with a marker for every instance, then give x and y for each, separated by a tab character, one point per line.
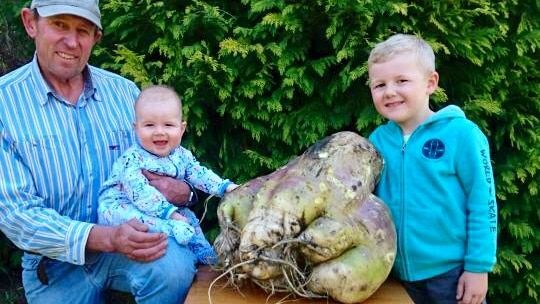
127	194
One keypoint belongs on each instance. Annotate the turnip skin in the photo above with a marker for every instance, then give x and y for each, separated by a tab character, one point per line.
370	261
313	223
350	278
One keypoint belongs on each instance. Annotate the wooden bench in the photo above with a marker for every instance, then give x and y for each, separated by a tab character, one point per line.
391	292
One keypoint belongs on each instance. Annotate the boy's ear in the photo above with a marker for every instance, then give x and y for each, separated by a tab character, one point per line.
433	82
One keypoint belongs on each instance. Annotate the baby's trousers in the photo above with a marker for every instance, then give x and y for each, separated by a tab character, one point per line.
115	209
165	280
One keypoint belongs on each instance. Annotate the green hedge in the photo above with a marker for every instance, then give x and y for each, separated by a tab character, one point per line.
263	80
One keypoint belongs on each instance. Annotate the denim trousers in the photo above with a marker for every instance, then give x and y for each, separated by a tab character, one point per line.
441	289
166	280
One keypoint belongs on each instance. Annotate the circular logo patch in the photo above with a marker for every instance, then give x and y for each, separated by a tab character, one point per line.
433	148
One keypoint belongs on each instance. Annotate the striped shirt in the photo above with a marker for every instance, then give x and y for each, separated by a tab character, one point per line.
54	156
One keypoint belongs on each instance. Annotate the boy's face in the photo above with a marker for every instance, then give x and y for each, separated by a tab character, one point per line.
159	126
400	91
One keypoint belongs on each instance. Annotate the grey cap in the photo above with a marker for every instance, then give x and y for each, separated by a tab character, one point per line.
87	9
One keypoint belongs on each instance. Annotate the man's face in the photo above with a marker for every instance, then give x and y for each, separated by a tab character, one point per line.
63	44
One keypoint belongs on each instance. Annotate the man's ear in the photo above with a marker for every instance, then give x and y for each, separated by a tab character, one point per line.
99	35
29	20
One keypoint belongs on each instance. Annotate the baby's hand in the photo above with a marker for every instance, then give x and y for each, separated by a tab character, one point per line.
178	217
231	187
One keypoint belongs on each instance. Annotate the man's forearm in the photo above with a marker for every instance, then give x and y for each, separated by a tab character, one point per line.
99	239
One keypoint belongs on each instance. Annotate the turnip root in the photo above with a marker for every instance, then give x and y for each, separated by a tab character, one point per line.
312	227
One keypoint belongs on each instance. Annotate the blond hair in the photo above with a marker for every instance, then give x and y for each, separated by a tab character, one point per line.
158	93
403	43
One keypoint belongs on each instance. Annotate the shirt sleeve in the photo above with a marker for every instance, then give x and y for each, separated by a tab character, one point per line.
476	175
144	197
200	176
27	221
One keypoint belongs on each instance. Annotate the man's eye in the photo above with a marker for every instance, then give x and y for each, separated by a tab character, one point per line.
83	32
59	24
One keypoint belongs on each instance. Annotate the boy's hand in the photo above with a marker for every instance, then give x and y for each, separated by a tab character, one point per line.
472	288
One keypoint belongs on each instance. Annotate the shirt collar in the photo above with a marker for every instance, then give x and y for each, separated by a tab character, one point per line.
44	90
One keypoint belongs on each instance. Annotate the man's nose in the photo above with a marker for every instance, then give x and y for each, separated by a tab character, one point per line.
71	39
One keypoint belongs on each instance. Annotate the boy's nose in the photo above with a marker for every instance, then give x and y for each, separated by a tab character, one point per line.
389	90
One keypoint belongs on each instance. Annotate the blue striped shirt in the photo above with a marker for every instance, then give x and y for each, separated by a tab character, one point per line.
54	156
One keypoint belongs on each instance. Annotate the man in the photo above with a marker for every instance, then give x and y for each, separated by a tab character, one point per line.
62	125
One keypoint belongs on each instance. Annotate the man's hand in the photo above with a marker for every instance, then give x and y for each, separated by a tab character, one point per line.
178	217
177	192
130	239
472	288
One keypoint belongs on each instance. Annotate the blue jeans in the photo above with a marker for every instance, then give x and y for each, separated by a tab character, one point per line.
166	280
441	289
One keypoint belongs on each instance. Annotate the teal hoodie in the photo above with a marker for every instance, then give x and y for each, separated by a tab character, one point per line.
439	187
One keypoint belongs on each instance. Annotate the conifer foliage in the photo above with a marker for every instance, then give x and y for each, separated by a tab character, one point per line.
261	80
264	79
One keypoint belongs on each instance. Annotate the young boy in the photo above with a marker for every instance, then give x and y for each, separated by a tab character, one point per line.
437	180
127	193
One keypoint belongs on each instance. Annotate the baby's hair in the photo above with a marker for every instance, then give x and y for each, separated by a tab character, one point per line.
403	43
158	93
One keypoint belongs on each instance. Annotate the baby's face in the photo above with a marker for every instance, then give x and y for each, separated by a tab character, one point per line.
159	126
401	90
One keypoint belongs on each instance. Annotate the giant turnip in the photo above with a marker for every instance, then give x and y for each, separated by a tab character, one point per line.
312	227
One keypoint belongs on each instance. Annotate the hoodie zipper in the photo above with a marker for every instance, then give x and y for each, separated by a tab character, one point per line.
403	212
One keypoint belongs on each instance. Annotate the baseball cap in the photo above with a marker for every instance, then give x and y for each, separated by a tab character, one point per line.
87	9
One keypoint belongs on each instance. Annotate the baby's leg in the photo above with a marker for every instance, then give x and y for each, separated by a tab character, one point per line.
111	207
199	244
116	209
